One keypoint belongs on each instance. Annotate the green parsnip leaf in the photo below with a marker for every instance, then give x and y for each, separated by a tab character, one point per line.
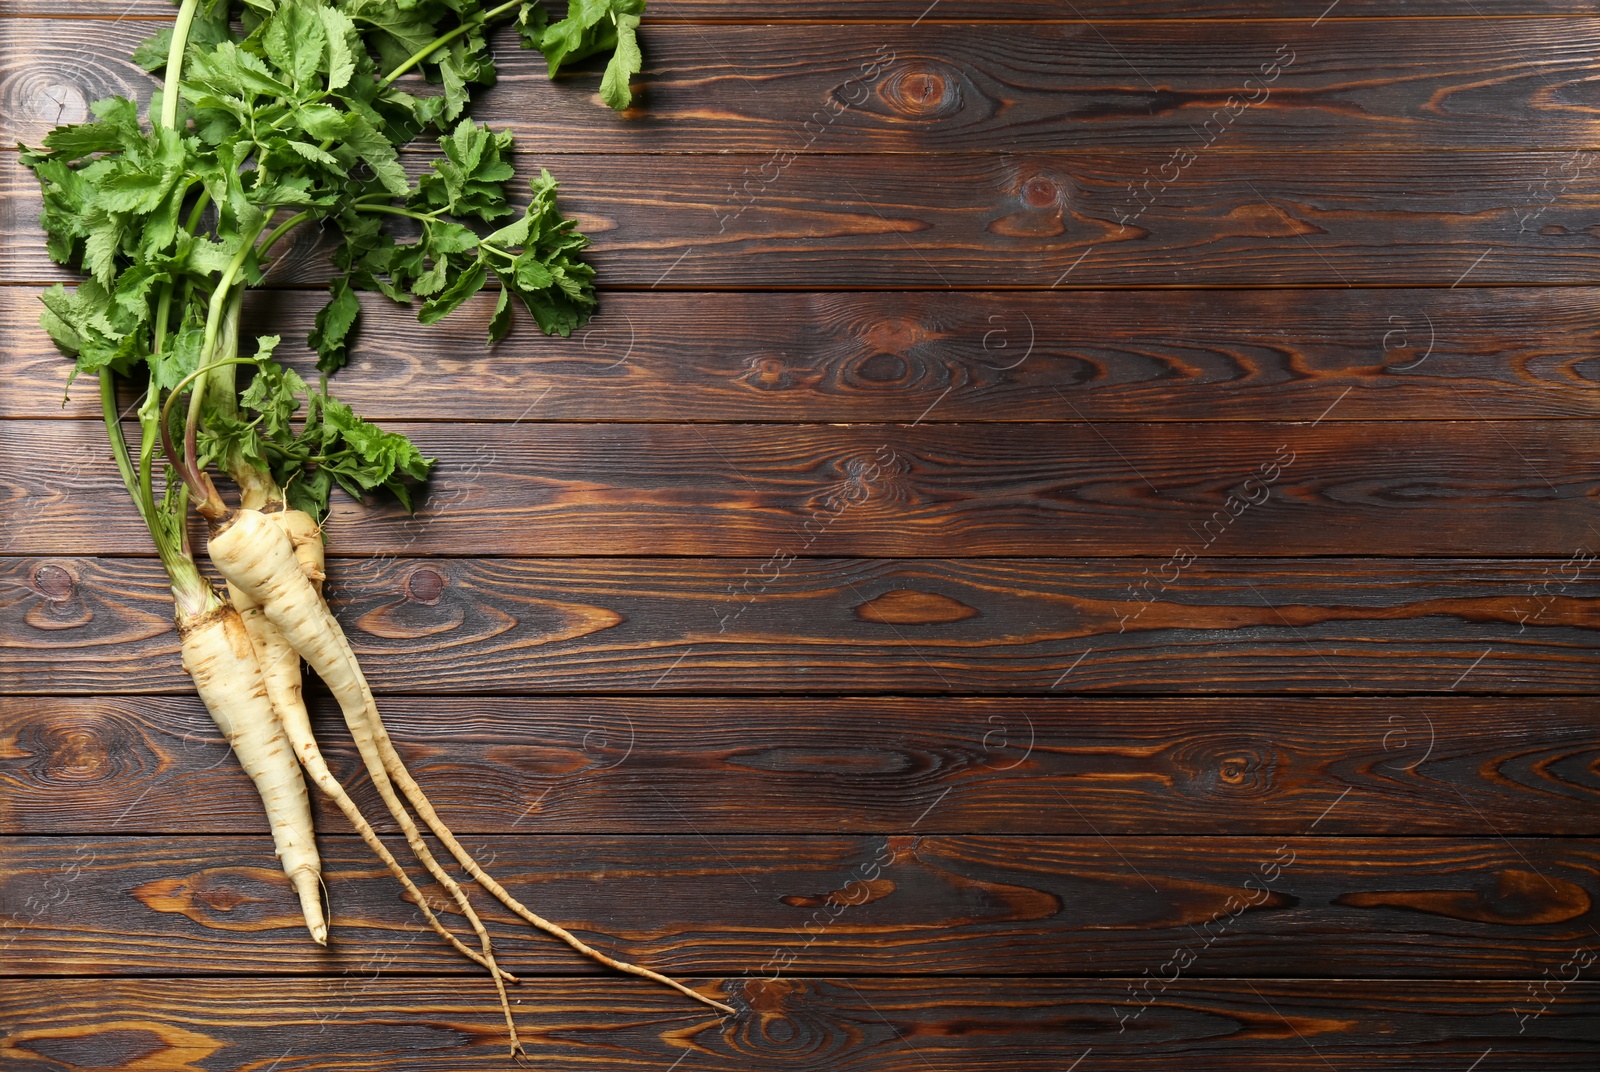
591	27
330	338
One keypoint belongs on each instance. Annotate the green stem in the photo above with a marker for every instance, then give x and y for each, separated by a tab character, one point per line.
199	206
256	486
192	593
163	314
445	39
119	445
169	118
279	231
180	43
215	315
183	461
147	445
393	210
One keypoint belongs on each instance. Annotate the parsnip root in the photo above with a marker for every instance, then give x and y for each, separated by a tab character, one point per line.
218	654
258	558
280	669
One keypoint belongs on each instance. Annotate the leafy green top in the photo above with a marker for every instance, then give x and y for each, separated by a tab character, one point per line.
297	116
333	445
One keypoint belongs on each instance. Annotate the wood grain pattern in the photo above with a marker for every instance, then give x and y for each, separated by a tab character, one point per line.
1118	794
1017	765
891	904
1036	220
1219	489
1469	83
937	357
471	626
986	11
817	1025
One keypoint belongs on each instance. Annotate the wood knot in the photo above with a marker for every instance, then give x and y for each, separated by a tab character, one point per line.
768	372
907	606
1040	192
60	606
78	755
1229	768
425	585
223	898
1038	211
125	1044
788	1025
894	336
53	103
921	89
53	582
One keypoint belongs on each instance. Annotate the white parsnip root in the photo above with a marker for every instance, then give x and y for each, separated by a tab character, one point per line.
257	557
280	669
219	656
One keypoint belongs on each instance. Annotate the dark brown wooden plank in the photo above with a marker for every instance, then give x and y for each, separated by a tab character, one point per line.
818	1025
1218	489
971	356
891	904
1037	220
1460	83
927	11
1417	765
433	626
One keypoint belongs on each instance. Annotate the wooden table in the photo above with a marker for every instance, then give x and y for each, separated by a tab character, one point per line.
1072	544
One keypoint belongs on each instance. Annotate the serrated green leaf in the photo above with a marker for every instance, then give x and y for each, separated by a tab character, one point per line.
295	41
340	32
151	53
616	88
82	139
468	283
120	114
589	28
100	248
500	322
530	273
132	191
317	155
231	71
379	155
330	337
431	281
447	236
325	122
273	394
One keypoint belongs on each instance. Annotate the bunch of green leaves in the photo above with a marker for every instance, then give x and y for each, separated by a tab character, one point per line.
294	116
289	113
591	27
333	445
535	257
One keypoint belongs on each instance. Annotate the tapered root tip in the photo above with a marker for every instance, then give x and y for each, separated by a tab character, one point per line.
309	888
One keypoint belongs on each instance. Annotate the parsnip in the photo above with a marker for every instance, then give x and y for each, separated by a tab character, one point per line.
280	670
219	656
256	556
